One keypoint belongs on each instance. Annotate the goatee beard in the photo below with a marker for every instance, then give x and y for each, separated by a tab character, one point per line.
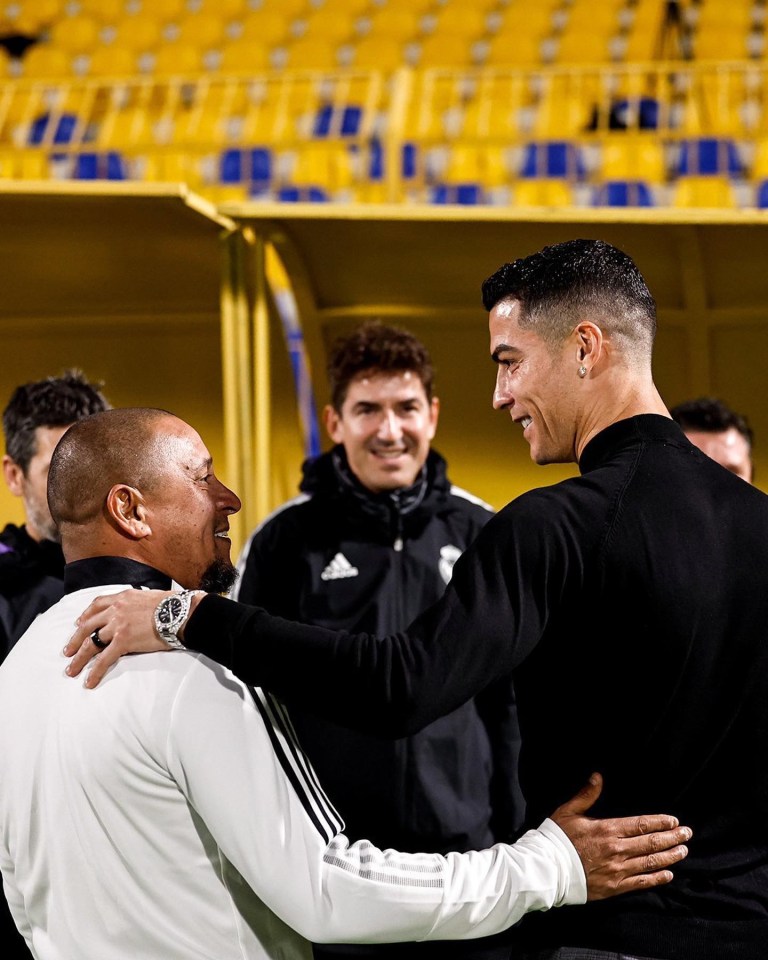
219	577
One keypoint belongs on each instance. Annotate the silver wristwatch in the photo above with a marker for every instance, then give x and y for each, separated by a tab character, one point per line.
171	615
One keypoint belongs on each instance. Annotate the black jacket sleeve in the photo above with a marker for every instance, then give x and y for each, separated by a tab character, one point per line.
500	596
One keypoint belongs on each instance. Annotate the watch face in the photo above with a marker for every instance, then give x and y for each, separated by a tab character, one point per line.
169	611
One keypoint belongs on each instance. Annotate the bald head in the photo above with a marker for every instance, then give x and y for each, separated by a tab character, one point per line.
113	447
139	483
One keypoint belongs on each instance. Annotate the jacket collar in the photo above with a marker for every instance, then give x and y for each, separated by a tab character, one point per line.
628	433
100	571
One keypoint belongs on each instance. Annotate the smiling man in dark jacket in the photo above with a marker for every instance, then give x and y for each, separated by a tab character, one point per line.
370	543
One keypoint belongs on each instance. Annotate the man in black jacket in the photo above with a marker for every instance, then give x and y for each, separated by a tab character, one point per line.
31	562
629	601
370	543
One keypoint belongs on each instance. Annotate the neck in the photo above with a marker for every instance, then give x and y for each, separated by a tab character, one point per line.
627	396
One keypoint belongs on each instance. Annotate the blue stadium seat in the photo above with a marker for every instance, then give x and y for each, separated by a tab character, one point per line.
761	195
302	195
553	158
100	166
703	156
466	194
326	116
252	166
65	129
377	160
623	193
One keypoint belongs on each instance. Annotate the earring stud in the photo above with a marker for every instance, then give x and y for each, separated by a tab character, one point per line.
582	371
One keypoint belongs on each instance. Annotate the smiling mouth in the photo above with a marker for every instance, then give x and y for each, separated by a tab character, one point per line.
222	534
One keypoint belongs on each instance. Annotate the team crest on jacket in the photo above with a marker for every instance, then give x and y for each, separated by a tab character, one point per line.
448	556
339	569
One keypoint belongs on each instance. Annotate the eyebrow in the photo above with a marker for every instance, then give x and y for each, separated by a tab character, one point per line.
202	465
502	348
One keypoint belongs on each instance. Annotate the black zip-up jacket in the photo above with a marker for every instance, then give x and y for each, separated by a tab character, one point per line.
31	581
632	602
343	557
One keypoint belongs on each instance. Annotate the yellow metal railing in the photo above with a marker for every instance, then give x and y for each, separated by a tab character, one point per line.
344	132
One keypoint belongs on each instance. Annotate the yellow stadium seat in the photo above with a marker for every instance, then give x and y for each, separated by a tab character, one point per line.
105	11
112	62
286	8
243	56
76	34
461	20
445	51
418	6
378	53
225	9
400	24
177	60
583	47
43	61
624	157
308	54
704	192
202	30
324	166
328	29
348	8
506	49
128	128
721	43
542	193
172	166
584	15
464	165
265	27
166	11
760	161
203	128
30	17
138	33
533	19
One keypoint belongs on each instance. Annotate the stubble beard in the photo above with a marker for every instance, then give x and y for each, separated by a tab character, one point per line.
219	577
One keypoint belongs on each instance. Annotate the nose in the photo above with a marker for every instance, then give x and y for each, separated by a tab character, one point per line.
390	427
501	399
229	502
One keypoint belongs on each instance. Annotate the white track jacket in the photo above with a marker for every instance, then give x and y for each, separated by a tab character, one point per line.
170	813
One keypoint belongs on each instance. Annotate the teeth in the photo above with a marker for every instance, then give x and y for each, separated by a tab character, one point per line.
525	421
224	534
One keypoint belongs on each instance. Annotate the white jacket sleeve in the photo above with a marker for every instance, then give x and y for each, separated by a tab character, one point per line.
233	752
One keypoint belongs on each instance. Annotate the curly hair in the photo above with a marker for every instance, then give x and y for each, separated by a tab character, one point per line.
53	402
376	348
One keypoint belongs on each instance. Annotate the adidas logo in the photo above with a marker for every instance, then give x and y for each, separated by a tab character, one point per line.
339	569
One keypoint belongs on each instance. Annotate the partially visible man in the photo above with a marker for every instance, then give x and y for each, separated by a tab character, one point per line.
172	816
31	561
369	544
720	432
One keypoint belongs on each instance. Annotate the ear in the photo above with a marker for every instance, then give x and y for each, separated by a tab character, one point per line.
434	413
127	511
590	343
14	476
333	423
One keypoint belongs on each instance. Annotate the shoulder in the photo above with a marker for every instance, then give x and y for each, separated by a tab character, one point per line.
463	499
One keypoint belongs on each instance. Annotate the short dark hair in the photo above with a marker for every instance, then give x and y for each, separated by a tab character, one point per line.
710	415
53	402
556	286
376	348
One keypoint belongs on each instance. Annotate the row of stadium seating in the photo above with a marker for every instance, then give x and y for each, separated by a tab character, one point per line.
106	39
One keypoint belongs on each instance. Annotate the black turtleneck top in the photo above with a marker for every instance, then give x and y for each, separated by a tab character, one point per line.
631	603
